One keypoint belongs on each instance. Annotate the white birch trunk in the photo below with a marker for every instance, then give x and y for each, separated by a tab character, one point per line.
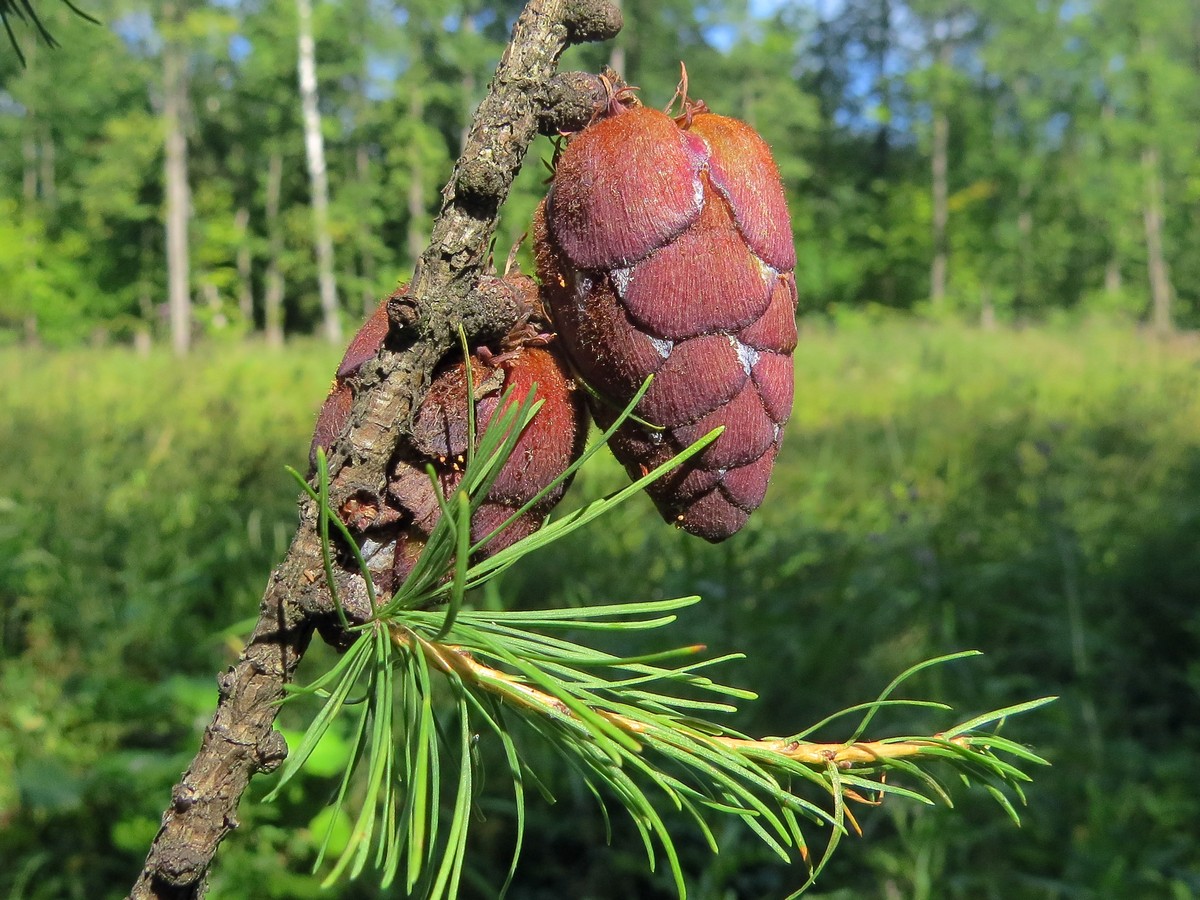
314	148
178	195
273	290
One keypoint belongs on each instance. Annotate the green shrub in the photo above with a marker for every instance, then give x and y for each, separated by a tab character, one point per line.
1032	494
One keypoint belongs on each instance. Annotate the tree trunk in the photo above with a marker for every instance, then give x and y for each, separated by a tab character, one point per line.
1112	267
29	150
273	292
617	59
1196	36
1112	274
142	339
939	168
216	312
987	309
241	222
1025	288
1156	263
178	197
469	85
415	237
1152	199
29	179
48	158
366	257
29	191
314	147
883	45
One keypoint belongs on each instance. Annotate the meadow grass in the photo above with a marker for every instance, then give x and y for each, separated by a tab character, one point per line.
1034	494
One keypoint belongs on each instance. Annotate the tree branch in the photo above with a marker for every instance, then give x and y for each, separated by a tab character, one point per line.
450	287
516	691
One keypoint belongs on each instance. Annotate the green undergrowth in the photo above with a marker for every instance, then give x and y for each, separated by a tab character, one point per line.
1032	494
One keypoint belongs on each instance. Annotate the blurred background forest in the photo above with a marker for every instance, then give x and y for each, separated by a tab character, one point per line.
1005	160
996	442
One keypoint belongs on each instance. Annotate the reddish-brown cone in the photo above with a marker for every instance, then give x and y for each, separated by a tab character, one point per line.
550	443
404	517
665	249
335	412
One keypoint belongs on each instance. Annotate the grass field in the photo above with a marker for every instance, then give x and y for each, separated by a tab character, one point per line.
1032	494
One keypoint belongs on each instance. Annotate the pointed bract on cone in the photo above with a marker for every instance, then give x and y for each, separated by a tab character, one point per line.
550	443
665	248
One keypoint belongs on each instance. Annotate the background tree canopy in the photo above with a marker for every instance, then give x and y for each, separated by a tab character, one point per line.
1030	491
1006	160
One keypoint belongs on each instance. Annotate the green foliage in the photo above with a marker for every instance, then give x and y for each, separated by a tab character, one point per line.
1032	494
18	14
1063	121
127	561
623	724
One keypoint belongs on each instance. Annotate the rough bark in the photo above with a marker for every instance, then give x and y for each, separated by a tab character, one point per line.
314	149
446	291
178	195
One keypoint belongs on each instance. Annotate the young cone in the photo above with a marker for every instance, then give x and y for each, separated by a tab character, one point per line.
665	248
401	520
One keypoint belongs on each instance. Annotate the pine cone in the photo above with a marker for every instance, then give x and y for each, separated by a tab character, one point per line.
550	443
408	511
665	248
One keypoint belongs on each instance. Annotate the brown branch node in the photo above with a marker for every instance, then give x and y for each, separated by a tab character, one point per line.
570	101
